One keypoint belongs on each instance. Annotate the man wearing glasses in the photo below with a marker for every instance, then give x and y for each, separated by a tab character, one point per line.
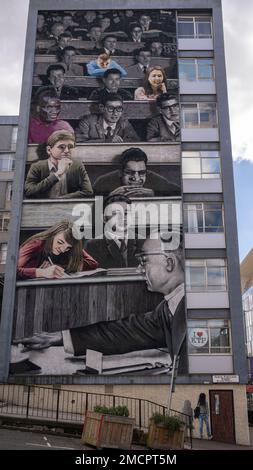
134	179
161	264
109	126
165	127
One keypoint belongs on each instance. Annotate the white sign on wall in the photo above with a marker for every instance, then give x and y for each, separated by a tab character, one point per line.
225	378
198	337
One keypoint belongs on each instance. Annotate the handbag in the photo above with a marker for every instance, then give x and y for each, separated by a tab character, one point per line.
196	412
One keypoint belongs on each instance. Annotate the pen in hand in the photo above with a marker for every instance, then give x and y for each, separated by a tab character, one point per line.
51	262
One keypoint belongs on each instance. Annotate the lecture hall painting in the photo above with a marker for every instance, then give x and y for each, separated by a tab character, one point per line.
100	271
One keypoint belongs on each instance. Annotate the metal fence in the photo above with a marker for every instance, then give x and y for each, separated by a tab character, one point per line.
69	406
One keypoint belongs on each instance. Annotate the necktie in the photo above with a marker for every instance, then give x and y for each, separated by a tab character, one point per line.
108	133
144	69
123	250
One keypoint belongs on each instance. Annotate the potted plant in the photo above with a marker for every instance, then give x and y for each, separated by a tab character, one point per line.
166	432
108	427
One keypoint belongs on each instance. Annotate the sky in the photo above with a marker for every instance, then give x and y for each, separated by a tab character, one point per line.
238	31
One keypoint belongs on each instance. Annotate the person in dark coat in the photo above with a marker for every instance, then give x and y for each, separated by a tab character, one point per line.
58	176
133	178
56	78
109	126
161	263
165	127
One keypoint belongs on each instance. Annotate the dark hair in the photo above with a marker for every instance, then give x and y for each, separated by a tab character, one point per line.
111	97
146	85
109	36
66	34
53	67
45	91
138	51
164	97
73	258
132	154
202	399
110	71
116	198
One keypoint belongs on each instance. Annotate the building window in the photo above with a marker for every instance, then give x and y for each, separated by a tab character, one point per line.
208	337
8	191
206	275
14	137
7	162
201	164
203	217
194	27
4	222
196	69
199	115
3	253
248	319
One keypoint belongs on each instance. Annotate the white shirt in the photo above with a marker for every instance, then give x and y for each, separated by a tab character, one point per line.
174	298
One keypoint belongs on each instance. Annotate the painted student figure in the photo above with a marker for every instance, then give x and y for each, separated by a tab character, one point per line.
203	416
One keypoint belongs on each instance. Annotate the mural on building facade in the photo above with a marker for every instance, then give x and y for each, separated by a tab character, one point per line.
100	270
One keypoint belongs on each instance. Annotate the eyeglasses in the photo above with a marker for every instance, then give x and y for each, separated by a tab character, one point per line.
134	173
142	257
117	109
170	106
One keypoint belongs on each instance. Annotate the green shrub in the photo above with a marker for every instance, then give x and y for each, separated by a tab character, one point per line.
114	410
172	423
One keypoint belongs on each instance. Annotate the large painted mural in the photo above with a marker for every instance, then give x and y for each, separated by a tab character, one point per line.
100	274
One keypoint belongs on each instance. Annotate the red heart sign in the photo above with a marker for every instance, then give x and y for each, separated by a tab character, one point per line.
199	333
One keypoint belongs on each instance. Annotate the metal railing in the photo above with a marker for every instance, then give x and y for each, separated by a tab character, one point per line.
69	406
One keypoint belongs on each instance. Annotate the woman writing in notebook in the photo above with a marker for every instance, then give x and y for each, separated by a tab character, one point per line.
53	254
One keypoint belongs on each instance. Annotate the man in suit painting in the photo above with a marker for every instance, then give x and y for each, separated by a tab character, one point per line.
134	179
165	127
161	263
111	81
143	62
117	248
58	176
56	77
109	126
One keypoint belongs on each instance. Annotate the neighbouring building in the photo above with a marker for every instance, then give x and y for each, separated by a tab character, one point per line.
8	138
186	138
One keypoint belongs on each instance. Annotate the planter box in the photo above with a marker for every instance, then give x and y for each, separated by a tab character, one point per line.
104	430
158	437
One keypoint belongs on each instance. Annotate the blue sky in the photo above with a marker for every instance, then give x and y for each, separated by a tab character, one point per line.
238	32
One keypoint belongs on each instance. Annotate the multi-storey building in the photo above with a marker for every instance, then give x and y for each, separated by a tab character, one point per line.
8	138
216	362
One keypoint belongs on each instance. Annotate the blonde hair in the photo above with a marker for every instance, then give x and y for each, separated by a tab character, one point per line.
73	258
60	135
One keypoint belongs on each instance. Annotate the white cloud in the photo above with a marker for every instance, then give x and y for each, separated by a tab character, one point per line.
239	61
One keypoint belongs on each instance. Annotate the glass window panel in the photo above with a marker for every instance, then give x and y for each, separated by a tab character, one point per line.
187	70
213	220
219	340
215	262
197	323
203	29
205	70
190	116
216	279
191	165
3	253
217	323
207	112
191	154
185	29
195	278
211	165
210	153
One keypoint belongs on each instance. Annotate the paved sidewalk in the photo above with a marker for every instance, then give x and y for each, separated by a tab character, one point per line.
204	444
